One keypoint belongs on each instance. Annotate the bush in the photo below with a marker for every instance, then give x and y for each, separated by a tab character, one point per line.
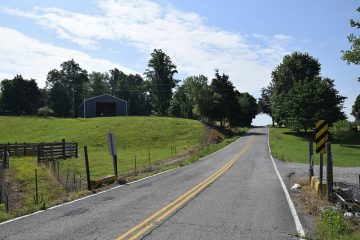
333	226
341	130
45	111
332	218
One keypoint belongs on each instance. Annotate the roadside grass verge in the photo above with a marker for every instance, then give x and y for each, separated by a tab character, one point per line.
331	225
292	146
193	158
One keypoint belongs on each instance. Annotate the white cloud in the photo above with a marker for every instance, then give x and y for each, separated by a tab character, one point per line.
20	54
194	47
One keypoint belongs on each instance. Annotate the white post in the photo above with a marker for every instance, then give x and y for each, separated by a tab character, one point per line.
84	108
126	108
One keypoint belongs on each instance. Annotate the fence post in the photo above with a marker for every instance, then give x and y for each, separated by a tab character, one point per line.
311	160
115	161
321	172
135	164
52	153
58	170
36	188
76	150
16	149
149	156
329	172
67	179
6	202
24	148
6	158
38	148
74	181
87	168
63	148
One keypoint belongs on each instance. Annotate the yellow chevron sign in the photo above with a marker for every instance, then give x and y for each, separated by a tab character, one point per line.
321	135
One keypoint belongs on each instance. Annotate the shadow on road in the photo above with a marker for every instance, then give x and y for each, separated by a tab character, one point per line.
254	134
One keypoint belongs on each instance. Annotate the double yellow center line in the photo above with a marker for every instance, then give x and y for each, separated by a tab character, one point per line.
156	218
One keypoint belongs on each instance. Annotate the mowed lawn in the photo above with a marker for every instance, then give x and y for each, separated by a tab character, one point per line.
291	146
136	136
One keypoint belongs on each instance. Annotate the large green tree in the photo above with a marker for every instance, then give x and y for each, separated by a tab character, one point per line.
98	84
301	106
224	98
186	100
353	54
264	102
330	103
132	88
115	76
248	109
294	68
160	76
300	96
68	83
19	96
356	109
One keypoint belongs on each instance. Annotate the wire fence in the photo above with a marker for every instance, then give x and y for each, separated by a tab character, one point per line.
70	179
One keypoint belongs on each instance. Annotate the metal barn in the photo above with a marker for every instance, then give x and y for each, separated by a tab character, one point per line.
103	106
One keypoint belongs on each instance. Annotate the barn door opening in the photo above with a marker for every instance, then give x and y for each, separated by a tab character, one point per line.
105	109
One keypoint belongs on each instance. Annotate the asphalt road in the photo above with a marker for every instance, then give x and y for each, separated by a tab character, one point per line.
232	194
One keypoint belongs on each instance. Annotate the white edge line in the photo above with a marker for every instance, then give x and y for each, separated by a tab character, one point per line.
108	190
83	198
298	225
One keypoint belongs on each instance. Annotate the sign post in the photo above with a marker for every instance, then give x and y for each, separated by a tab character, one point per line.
311	160
329	172
113	151
321	137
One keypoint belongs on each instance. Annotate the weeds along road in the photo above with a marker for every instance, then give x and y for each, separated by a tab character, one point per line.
232	194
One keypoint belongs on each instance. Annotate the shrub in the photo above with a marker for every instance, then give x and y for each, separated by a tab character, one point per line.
333	226
45	111
341	130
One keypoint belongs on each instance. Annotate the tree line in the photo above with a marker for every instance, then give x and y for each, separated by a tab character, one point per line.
158	93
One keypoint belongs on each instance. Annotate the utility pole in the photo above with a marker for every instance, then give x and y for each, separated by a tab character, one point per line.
73	99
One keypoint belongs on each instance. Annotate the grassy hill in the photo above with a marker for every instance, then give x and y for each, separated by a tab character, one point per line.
135	136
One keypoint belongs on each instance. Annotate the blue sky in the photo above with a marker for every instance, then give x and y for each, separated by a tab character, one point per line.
245	39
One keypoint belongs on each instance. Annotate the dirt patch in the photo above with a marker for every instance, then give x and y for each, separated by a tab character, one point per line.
305	197
13	190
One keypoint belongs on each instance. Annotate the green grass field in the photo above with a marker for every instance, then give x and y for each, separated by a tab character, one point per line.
291	146
135	136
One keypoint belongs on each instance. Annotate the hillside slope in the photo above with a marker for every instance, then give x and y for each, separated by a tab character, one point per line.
138	136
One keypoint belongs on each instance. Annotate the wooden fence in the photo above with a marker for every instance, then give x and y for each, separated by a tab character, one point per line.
57	150
44	151
20	149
